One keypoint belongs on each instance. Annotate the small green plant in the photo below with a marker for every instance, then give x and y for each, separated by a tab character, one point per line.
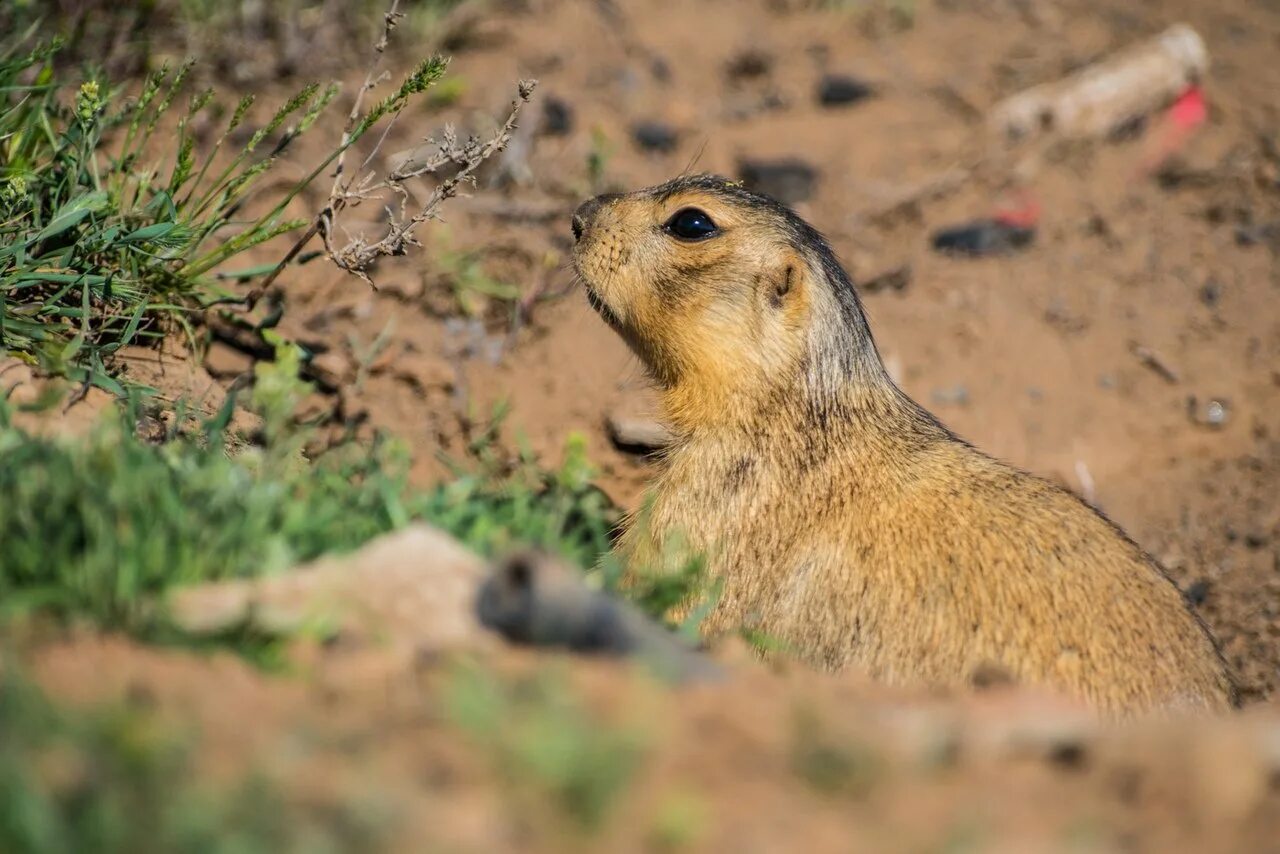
448	93
540	736
463	275
680	821
598	160
677	590
116	780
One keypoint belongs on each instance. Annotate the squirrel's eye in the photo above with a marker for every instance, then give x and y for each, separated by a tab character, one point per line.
690	224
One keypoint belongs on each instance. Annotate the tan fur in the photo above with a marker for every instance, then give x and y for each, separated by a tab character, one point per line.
842	518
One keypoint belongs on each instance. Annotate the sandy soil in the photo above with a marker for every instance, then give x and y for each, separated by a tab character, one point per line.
1035	357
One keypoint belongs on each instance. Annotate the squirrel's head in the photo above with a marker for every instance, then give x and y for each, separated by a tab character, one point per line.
727	296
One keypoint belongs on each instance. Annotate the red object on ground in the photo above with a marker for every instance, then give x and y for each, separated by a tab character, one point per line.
1190	110
1025	213
1179	123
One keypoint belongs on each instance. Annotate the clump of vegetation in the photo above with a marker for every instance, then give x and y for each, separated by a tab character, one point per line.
102	241
115	780
114	227
469	286
100	527
543	740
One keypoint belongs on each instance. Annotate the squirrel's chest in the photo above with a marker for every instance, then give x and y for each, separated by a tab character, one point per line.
735	509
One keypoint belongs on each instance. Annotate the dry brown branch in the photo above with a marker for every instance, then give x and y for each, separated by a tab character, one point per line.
358	253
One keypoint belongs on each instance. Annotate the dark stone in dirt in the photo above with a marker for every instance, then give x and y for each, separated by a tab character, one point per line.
748	64
1070	756
957	395
531	598
1264	234
557	116
655	136
1197	592
983	237
1256	539
1211	293
841	90
895	279
789	180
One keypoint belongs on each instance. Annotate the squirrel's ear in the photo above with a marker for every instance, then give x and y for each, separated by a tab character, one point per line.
782	286
784	282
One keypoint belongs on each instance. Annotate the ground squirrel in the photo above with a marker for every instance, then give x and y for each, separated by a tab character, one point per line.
843	519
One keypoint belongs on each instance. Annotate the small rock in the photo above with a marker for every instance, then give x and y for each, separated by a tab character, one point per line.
227	362
748	64
1256	539
1266	234
895	279
332	367
534	599
1213	413
1211	293
655	136
957	395
637	435
414	589
840	90
557	116
788	179
1197	592
983	237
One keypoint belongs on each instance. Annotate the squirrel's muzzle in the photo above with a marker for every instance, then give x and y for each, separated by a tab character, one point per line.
585	215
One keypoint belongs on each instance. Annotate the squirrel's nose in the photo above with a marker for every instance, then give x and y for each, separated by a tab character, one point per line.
586	213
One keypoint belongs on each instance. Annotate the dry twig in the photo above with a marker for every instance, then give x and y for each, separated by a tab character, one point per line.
358	253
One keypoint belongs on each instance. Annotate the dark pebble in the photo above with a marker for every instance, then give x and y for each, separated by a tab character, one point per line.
789	179
749	64
1210	293
1266	234
1256	539
557	116
839	90
1197	592
654	136
983	237
896	279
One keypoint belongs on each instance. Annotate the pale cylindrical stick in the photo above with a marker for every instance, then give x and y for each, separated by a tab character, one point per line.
1103	96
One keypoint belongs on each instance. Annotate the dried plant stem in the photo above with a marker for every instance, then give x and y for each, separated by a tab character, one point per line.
359	253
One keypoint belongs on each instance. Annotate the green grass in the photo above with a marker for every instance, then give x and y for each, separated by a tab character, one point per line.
462	275
100	527
114	780
116	223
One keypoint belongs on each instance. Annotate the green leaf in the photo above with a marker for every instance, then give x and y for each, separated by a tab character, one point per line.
149	232
247	273
73	212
